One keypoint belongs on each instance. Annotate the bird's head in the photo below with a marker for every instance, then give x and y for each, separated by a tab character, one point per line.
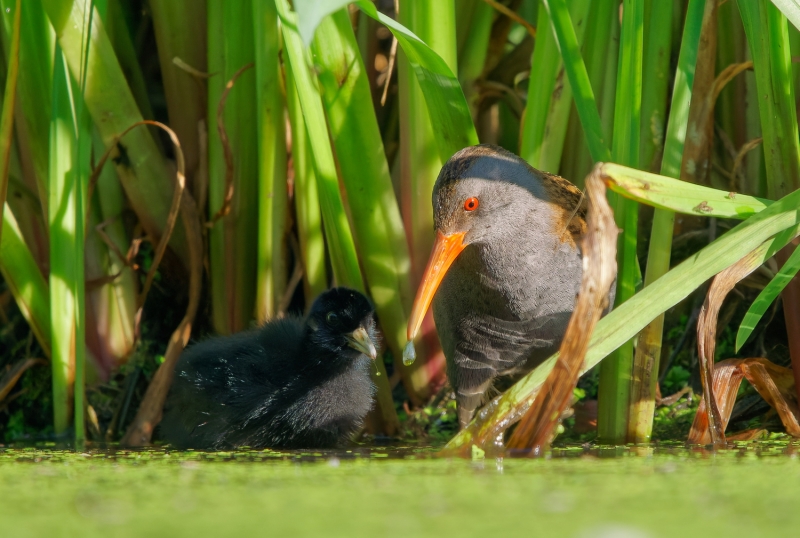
341	321
486	194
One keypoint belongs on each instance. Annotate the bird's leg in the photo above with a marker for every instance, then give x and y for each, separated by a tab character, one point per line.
471	392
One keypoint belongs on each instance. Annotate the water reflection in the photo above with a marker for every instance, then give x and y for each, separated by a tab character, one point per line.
52	452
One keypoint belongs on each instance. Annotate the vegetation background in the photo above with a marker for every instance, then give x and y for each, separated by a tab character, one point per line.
176	168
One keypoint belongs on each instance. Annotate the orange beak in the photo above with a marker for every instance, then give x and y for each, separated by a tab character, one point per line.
445	250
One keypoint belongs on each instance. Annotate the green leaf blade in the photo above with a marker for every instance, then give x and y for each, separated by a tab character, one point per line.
447	106
681	196
766	298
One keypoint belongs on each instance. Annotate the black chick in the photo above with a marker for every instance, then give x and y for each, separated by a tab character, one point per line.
293	383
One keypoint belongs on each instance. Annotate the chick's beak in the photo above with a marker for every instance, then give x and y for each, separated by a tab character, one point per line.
445	250
360	341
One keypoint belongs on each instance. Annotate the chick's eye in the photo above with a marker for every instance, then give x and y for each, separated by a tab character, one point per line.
331	318
471	204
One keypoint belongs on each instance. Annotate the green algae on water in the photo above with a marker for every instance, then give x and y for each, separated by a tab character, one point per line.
747	491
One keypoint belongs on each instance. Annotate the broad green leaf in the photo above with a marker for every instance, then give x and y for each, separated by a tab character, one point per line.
601	56
443	94
306	198
766	297
447	105
311	12
339	237
790	8
377	225
656	75
146	176
24	280
80	172
37	45
66	241
233	241
768	40
680	196
419	158
9	97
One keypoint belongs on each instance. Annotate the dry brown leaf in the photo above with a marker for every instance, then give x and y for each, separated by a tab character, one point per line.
727	376
722	284
150	411
739	159
748	435
774	383
11	377
700	127
536	428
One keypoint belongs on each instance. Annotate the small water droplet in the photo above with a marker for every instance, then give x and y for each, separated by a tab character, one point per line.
409	354
8	10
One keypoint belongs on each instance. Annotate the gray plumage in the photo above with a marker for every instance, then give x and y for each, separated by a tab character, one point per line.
504	304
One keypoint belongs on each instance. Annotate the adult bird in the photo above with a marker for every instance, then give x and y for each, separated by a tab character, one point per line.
293	383
504	271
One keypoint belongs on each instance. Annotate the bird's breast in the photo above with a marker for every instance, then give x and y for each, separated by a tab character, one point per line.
499	306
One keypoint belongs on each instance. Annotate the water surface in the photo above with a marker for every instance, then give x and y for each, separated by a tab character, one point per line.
753	490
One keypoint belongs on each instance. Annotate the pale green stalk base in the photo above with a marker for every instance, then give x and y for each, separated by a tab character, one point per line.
648	351
616	371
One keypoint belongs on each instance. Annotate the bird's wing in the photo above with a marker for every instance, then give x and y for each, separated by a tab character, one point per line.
571	206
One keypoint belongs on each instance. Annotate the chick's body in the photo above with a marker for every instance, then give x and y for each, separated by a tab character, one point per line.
293	383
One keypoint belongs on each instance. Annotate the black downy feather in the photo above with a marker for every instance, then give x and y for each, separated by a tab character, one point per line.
292	383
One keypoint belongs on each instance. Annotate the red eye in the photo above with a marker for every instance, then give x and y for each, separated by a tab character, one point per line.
471	204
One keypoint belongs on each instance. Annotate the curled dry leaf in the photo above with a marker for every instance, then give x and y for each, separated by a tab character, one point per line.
226	148
150	411
726	376
140	431
599	246
172	217
774	383
721	382
739	159
722	284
